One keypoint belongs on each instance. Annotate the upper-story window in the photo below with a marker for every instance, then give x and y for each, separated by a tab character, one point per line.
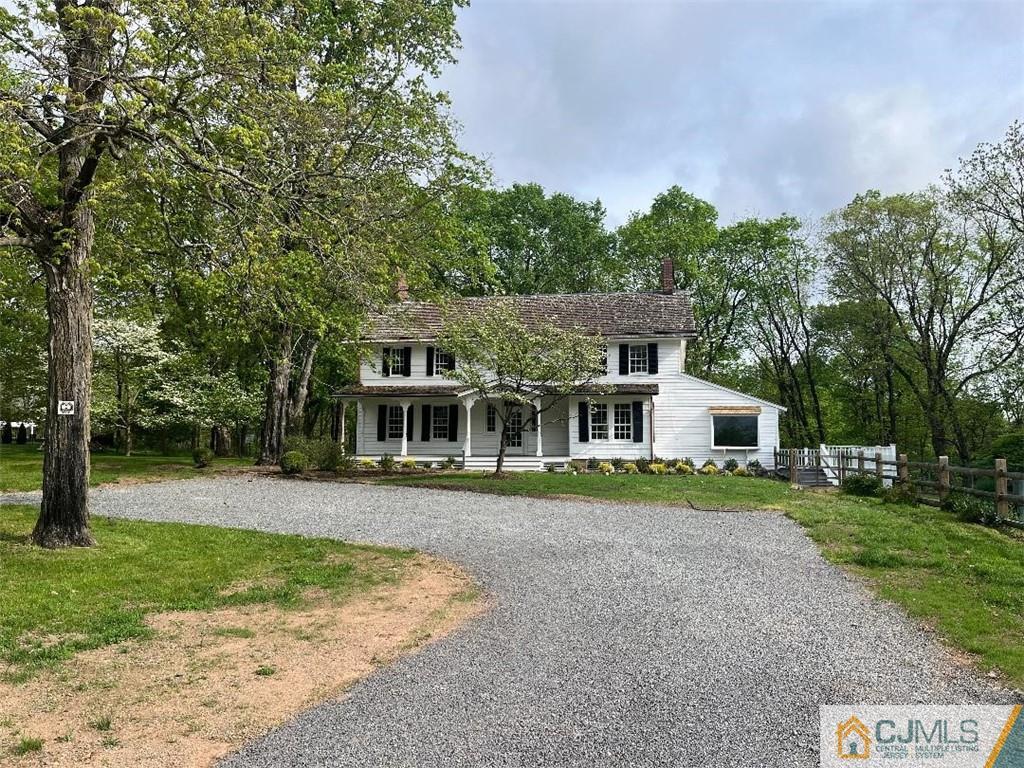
396	361
443	361
638	362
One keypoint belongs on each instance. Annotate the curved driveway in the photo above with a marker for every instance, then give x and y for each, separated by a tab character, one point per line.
618	636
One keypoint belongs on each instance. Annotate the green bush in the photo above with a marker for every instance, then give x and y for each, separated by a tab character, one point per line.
900	493
630	468
730	465
346	463
408	463
592	464
755	469
689	462
709	468
448	463
741	472
862	485
658	468
971	509
321	454
643	465
202	457
618	463
387	462
683	468
550	467
709	463
367	464
293	463
605	468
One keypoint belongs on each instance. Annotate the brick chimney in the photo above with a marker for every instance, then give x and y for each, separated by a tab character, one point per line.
668	276
401	288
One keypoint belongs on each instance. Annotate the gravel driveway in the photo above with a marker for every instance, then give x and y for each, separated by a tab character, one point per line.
619	636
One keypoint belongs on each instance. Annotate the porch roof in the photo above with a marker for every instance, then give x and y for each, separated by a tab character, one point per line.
457	390
430	390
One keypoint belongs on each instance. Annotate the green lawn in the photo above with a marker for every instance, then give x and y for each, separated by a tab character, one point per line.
58	602
965	580
21	467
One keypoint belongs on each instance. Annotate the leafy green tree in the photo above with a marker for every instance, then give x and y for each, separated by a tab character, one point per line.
540	243
679	226
87	91
518	367
951	288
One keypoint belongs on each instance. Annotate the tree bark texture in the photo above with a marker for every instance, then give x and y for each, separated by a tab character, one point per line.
275	414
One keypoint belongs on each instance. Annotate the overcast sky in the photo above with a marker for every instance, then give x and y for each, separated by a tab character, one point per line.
759	107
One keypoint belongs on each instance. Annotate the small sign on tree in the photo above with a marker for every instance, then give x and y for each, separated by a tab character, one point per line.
65	407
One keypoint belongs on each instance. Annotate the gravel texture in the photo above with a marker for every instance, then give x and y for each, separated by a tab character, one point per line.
618	636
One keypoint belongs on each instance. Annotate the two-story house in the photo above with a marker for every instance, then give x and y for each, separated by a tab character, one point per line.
647	404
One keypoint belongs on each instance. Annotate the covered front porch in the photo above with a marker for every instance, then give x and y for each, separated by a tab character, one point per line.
432	424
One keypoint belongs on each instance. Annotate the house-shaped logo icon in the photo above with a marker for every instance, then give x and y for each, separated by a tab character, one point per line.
853	739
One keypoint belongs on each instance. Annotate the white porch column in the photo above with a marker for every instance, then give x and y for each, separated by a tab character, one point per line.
536	405
467	445
341	427
360	418
405	428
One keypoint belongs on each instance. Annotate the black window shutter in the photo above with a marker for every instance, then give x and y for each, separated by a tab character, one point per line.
453	423
427	418
638	421
450	365
407	360
652	357
584	421
382	423
430	361
623	359
385	363
409	414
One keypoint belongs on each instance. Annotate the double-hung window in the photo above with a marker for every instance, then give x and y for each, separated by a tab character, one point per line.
598	421
394	362
623	425
443	361
638	358
396	422
439	423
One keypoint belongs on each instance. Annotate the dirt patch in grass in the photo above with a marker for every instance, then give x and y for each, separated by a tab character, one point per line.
206	682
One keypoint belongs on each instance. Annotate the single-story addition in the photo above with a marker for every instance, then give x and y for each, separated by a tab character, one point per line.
647	405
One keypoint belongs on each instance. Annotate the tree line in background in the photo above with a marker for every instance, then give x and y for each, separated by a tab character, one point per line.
228	188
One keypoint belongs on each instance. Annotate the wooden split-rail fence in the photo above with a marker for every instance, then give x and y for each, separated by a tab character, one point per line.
932	481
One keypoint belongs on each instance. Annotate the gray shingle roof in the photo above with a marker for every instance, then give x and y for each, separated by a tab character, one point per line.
604	314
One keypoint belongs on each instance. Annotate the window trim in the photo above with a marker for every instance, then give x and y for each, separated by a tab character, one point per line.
638	353
602	423
399	424
757	431
436	423
619	425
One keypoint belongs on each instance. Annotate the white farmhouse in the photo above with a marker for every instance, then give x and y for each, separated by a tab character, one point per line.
648	405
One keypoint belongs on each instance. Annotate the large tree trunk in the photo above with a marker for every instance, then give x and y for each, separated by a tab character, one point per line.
502	447
64	513
297	408
275	413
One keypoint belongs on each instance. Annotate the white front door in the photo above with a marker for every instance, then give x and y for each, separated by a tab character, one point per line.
516	444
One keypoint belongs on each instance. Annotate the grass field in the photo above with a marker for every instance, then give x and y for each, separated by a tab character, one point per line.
964	580
56	603
21	467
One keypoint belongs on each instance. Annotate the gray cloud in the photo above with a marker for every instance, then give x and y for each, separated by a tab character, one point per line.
759	107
